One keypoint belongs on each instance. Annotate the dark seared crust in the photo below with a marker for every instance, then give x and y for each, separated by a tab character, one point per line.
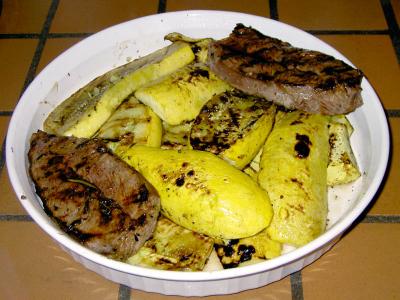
93	195
293	77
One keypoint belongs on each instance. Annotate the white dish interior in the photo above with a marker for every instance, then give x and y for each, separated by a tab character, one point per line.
121	43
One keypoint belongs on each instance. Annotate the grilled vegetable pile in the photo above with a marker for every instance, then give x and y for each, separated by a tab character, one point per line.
236	174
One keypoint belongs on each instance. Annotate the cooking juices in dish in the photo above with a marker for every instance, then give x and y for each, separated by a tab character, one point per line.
238	139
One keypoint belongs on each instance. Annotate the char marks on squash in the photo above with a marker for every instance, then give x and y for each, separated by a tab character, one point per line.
293	77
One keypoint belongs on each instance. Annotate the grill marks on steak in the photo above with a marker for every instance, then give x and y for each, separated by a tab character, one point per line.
93	195
293	77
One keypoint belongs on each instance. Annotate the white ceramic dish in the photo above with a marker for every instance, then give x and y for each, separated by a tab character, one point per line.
115	46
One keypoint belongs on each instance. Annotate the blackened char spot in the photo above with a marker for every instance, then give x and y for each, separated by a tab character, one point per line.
230	265
200	72
223	99
82	163
106	207
56	159
180	181
302	146
75	232
228	250
196	49
184	257
143	194
102	149
234	117
233	242
141	220
295	122
246	252
48	173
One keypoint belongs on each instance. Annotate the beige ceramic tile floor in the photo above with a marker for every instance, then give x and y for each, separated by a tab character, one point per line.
363	265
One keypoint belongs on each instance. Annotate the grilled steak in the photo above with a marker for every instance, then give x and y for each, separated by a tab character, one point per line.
93	195
293	77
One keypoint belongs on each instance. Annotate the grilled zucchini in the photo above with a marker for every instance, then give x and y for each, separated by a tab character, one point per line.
180	96
234	126
293	172
83	113
202	192
132	123
173	247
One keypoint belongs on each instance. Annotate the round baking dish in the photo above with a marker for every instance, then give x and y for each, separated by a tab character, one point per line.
117	45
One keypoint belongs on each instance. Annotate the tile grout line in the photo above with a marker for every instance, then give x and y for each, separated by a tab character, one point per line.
394	31
348	32
124	292
53	35
3	154
56	35
16	218
40	46
162	6
296	284
393	113
273	9
4	36
381	219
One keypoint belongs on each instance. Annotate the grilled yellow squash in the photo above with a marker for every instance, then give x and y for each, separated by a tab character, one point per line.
234	126
202	192
342	119
234	253
176	136
132	123
199	46
173	247
342	166
293	172
180	96
83	113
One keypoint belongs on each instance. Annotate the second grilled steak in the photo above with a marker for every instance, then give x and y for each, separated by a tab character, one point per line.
293	77
92	194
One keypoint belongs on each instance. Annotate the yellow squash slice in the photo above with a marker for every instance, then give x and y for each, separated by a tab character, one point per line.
180	96
202	192
132	123
83	113
342	166
234	126
293	172
173	247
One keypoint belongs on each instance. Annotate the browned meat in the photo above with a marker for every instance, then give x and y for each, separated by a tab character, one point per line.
92	194
295	78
